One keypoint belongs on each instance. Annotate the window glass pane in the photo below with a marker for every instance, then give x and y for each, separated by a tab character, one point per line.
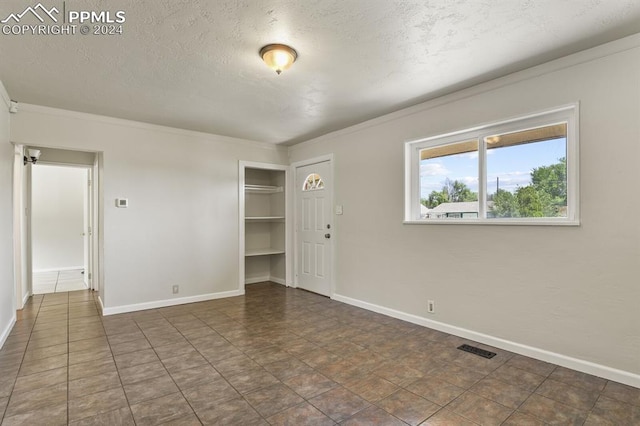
527	173
449	181
313	182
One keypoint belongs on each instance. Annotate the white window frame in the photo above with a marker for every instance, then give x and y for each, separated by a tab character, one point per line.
565	114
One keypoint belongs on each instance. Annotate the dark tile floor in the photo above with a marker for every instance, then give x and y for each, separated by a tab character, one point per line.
276	356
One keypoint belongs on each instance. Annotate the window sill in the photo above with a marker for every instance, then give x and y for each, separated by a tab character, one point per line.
493	222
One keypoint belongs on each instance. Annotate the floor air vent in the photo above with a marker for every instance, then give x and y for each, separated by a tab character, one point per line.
477	351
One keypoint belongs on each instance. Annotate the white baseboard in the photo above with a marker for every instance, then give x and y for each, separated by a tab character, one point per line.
167	302
257	279
26	298
61	268
101	305
265	278
7	330
278	280
588	367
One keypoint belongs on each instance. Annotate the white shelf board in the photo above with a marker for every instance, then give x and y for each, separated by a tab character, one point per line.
262	189
263	252
264	218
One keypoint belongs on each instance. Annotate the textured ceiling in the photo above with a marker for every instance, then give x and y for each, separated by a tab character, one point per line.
194	64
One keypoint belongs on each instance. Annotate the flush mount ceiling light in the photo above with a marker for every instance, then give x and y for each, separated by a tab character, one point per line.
278	57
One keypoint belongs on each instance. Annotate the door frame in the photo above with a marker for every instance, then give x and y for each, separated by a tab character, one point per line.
22	224
294	215
242	165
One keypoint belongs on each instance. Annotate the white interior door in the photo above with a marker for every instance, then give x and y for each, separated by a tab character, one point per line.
314	227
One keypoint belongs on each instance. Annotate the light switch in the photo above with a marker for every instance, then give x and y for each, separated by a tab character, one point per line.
122	203
339	209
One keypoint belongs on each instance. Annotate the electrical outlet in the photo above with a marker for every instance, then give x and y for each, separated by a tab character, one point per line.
431	306
176	289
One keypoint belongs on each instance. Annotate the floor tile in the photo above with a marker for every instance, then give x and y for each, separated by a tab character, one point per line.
287	368
446	417
40	380
273	399
91	368
160	410
578	379
135	358
372	388
96	403
120	417
408	407
351	365
91	384
518	377
44	364
510	396
55	414
150	389
552	412
302	414
616	412
232	412
480	410
373	416
435	389
310	384
339	403
522	419
206	396
622	393
531	365
248	381
580	398
183	362
36	399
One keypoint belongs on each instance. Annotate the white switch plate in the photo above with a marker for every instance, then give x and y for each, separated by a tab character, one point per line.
122	203
339	209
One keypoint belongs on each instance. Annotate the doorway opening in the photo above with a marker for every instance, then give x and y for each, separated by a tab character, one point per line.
60	228
45	186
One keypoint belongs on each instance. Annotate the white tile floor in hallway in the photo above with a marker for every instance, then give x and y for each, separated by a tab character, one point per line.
58	281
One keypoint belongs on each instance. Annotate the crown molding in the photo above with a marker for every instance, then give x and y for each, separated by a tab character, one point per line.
39	109
5	95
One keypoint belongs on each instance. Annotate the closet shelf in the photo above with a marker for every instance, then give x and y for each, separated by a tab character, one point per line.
264	218
263	252
262	189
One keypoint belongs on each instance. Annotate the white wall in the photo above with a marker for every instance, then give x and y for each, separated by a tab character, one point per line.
57	213
572	291
182	223
7	290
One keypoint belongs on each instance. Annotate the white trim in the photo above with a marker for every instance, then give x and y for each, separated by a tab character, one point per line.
294	216
167	302
242	166
7	330
257	280
66	268
265	278
439	98
26	297
57	112
569	114
4	95
577	364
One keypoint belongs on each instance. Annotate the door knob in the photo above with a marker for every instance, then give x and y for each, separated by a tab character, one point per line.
327	236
